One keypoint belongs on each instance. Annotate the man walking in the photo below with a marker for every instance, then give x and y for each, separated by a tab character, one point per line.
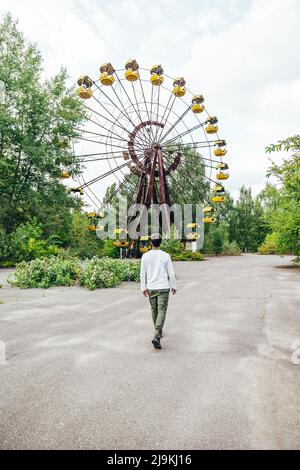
157	278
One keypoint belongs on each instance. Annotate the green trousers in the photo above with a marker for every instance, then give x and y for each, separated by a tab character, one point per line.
159	303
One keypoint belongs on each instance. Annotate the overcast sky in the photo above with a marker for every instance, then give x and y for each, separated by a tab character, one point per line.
243	55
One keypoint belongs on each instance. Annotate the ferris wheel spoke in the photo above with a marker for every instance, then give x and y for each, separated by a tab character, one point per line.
204	176
90	191
105	128
126	113
88	195
114	104
140	117
200	144
104	175
185	132
129	99
186	157
118	189
176	123
180	172
100	143
157	129
101	135
109	113
107	120
96	154
168	110
146	107
191	160
184	190
102	159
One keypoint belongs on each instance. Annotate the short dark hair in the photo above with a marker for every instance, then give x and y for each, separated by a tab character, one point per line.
156	240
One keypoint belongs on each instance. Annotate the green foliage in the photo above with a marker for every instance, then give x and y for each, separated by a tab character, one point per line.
65	270
217	241
37	122
187	256
83	243
107	272
230	249
46	272
171	244
284	217
110	250
24	244
270	245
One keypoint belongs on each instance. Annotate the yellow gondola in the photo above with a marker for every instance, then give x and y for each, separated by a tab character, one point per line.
106	74
208	220
144	238
211	129
219	152
119	231
156	77
197	106
77	190
144	249
208	209
218	199
218	189
84	91
222	166
121	244
192	236
91	215
192	225
92	228
179	89
64	175
222	176
221	143
131	70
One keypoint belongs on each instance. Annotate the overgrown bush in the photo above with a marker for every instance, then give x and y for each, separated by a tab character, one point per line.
269	246
46	272
110	250
24	244
107	272
231	249
187	256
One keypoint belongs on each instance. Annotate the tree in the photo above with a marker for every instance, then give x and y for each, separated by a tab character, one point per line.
217	241
248	225
37	122
284	218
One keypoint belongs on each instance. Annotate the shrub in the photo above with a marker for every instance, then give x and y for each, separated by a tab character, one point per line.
108	272
110	250
46	272
187	256
270	245
231	249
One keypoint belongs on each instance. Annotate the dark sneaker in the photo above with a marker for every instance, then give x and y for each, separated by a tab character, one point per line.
156	342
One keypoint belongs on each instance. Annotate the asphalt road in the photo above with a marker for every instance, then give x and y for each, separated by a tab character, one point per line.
81	371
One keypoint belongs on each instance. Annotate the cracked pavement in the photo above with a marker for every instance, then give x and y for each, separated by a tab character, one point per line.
81	371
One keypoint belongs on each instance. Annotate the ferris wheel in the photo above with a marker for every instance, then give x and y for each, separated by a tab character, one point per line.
141	126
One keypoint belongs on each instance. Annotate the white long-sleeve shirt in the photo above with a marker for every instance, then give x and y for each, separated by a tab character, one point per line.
157	271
